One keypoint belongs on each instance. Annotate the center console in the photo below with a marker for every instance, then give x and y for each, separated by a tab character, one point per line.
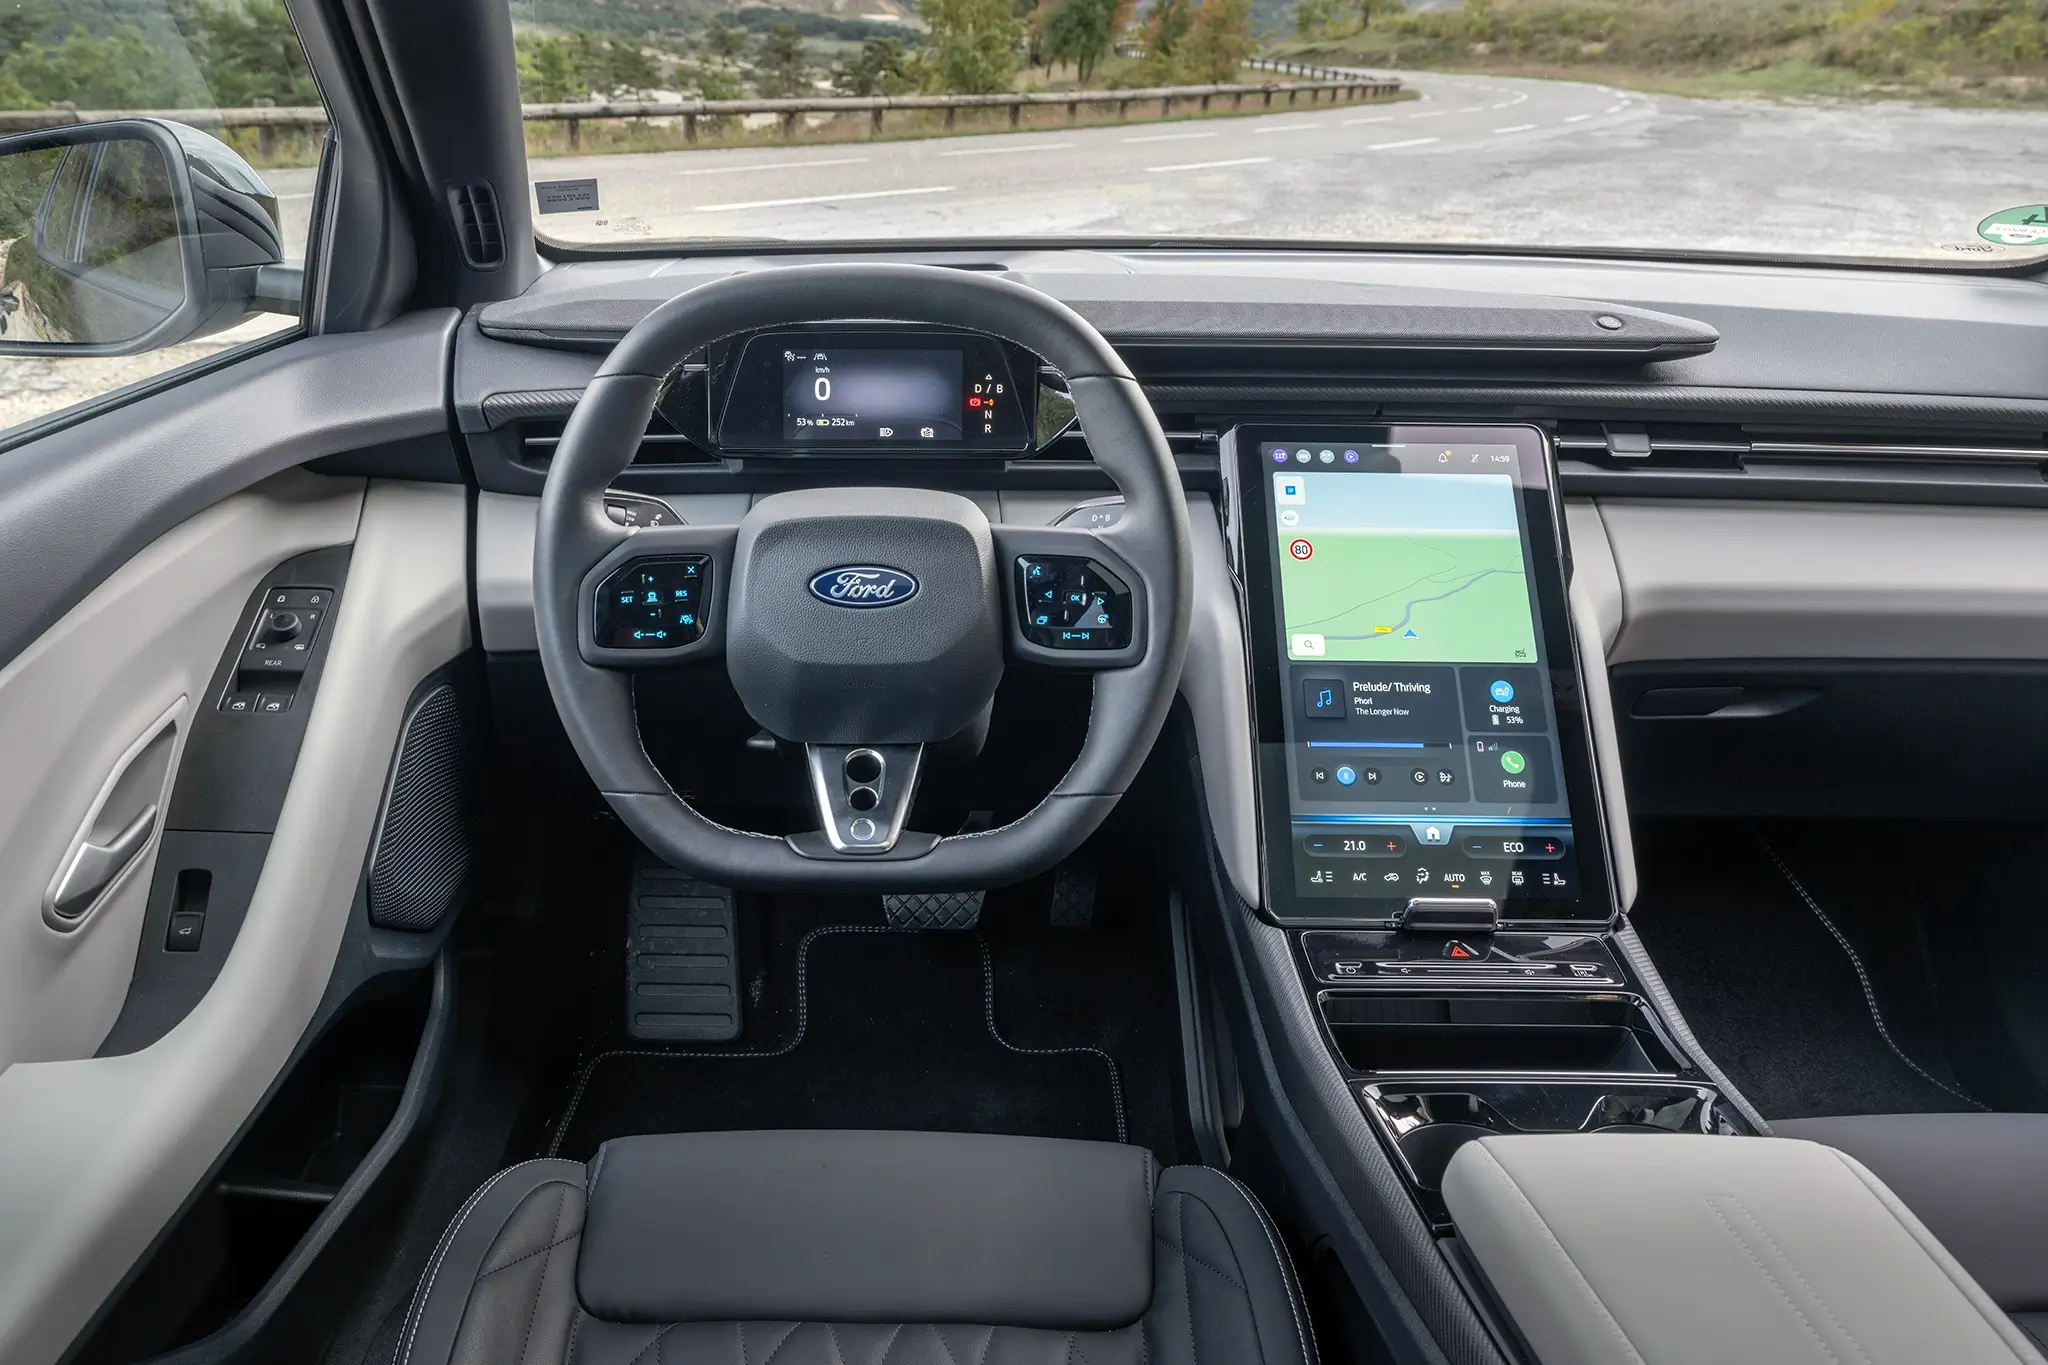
1432	827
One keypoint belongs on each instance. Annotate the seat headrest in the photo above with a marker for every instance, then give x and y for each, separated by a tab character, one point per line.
868	1227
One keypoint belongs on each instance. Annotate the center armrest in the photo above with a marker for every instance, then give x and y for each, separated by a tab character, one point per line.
1645	1249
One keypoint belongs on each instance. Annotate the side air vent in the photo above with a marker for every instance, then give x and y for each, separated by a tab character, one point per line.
477	225
1755	461
662	445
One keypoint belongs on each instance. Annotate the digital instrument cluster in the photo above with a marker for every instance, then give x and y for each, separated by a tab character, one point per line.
841	391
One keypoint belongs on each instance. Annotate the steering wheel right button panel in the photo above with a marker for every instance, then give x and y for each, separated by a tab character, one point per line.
1068	602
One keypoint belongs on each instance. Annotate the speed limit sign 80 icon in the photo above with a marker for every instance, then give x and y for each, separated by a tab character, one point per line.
1301	549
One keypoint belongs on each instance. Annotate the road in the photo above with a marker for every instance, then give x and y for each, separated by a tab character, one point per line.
1480	159
1476	159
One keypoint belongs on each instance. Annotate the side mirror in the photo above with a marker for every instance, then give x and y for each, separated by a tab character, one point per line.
121	237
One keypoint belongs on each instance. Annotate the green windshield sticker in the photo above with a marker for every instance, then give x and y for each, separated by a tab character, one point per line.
2023	226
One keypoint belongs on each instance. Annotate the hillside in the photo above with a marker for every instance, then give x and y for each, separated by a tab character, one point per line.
652	18
1951	51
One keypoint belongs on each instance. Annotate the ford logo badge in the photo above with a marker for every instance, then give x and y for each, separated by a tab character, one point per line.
863	585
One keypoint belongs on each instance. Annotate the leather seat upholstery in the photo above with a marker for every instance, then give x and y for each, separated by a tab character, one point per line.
858	1248
1978	1181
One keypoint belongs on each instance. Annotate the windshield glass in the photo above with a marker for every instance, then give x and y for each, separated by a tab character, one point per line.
1894	129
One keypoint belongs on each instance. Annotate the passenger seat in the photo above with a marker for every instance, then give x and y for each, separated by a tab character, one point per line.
1978	1181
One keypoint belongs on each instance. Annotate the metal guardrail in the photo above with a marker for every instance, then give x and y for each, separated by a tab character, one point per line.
267	119
1314	73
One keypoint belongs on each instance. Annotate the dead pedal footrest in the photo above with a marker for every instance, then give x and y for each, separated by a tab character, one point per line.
954	910
682	967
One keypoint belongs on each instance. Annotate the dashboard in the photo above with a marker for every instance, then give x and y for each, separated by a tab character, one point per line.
1793	496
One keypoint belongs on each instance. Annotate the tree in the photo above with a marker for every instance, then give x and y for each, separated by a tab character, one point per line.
1314	18
780	61
727	41
562	70
1167	26
1219	41
973	45
250	52
1366	9
122	70
879	68
1079	31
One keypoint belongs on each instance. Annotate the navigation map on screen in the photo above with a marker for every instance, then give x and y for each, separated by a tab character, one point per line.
1377	567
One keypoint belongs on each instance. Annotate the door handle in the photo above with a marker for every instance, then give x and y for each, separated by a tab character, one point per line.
94	867
118	826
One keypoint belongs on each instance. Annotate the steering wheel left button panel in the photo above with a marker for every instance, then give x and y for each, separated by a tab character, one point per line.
653	603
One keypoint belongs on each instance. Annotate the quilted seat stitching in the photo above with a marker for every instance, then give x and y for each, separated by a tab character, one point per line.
529	1256
780	1344
1164	1241
652	1344
540	1285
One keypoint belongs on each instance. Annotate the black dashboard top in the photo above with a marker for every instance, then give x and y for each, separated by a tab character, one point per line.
1819	368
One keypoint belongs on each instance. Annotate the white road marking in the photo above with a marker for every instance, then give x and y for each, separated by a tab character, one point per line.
774	166
821	199
1438	114
1504	104
1614	108
1475	109
1169	137
1578	118
1411	142
1009	151
1288	128
1515	128
1209	165
1376	118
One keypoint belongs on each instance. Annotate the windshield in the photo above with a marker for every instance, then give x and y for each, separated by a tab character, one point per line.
1891	129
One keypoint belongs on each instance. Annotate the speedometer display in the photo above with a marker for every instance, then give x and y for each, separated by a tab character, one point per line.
830	394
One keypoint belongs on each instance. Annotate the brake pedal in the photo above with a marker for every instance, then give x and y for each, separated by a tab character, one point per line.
682	960
954	910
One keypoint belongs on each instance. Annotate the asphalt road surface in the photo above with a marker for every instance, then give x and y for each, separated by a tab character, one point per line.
1477	159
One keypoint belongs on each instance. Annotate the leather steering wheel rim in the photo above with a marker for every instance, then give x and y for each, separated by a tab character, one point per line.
596	703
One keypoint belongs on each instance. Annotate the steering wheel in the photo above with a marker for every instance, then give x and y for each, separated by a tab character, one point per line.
863	623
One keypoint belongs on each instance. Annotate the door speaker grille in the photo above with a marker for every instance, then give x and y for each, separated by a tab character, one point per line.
422	861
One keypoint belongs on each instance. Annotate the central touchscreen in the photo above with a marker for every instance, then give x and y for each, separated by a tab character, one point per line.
1420	742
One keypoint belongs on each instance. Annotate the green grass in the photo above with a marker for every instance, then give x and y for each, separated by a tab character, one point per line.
1963	52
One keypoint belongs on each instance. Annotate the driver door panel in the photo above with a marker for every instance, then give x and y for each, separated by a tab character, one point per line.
85	713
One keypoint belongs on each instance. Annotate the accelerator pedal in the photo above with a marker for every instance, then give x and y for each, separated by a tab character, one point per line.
1073	893
952	910
682	963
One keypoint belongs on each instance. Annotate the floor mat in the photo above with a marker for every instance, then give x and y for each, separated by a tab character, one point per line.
1771	994
889	1029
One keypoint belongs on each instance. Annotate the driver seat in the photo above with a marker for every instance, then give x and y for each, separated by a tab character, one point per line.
858	1248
